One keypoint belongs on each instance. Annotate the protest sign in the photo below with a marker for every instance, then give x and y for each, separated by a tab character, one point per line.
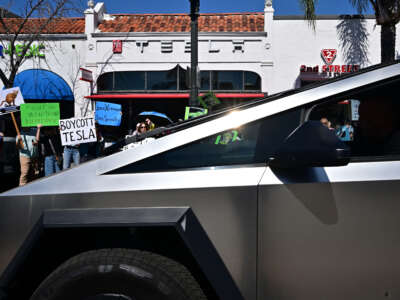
77	131
194	112
108	113
10	98
47	114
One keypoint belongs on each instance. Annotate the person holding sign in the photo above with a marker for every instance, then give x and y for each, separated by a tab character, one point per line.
27	143
71	153
76	131
51	149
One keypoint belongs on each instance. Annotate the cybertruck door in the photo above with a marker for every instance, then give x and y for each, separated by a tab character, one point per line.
334	232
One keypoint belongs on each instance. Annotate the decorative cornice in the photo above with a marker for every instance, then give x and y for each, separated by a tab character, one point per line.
180	34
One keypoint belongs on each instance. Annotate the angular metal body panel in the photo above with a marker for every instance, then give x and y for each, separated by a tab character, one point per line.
231	224
327	236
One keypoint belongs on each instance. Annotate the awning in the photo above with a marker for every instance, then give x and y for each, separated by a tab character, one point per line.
43	85
314	76
172	96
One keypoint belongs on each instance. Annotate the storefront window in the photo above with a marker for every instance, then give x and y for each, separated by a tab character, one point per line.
106	82
227	80
168	80
252	81
183	78
162	80
129	81
205	80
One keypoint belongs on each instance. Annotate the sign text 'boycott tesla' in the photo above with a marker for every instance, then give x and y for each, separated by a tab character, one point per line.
77	131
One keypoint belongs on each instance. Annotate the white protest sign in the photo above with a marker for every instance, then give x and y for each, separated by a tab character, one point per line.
11	97
77	131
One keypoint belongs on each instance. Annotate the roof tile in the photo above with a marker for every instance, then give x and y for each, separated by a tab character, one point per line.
228	22
56	26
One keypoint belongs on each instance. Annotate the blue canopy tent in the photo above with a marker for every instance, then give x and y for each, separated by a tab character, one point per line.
43	84
159	117
39	85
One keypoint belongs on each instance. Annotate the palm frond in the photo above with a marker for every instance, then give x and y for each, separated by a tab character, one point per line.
360	5
308	7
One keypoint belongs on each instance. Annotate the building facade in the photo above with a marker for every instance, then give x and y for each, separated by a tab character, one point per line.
140	60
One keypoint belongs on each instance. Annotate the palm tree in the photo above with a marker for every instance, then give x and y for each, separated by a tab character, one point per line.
387	14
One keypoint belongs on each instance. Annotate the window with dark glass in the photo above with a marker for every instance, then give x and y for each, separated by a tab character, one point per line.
132	80
249	144
368	121
162	80
168	80
252	81
183	79
205	80
106	82
227	80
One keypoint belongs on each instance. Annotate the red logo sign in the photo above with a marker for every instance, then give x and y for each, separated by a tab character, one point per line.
117	46
328	55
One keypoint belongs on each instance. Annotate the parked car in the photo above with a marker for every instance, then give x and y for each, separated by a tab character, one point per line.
261	201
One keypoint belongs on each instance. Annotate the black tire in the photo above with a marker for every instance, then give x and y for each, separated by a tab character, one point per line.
124	274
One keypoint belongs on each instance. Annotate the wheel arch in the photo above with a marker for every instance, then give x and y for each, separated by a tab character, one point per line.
174	232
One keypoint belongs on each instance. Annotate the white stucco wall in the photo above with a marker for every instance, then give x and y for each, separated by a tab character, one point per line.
296	44
151	57
61	58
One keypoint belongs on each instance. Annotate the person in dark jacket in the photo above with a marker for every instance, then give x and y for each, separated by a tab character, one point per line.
50	149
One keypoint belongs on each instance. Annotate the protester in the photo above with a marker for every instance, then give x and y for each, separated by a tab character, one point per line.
136	130
324	121
143	128
71	152
50	149
149	124
27	143
89	151
346	132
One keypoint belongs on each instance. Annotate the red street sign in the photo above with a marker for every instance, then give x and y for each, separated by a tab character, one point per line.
117	46
328	55
86	75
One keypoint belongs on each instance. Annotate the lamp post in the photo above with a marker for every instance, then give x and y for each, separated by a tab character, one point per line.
194	15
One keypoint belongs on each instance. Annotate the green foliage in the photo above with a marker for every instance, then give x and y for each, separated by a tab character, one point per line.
208	100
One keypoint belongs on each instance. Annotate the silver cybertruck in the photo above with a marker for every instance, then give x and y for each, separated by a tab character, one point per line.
295	196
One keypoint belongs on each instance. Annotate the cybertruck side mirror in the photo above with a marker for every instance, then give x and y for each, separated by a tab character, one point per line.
311	145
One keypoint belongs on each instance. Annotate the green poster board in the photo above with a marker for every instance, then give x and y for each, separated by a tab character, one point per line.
47	114
193	112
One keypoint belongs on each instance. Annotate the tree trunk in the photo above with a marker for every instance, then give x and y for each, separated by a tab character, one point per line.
5	80
388	39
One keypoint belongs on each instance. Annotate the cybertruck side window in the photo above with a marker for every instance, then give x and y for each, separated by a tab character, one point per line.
368	121
251	143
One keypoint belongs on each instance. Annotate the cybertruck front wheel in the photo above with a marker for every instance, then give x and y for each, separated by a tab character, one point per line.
124	274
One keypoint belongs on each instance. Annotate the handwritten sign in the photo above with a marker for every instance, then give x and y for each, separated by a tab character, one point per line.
77	131
47	114
108	113
194	112
11	98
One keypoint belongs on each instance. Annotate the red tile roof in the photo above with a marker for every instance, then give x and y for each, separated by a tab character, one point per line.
227	22
56	26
